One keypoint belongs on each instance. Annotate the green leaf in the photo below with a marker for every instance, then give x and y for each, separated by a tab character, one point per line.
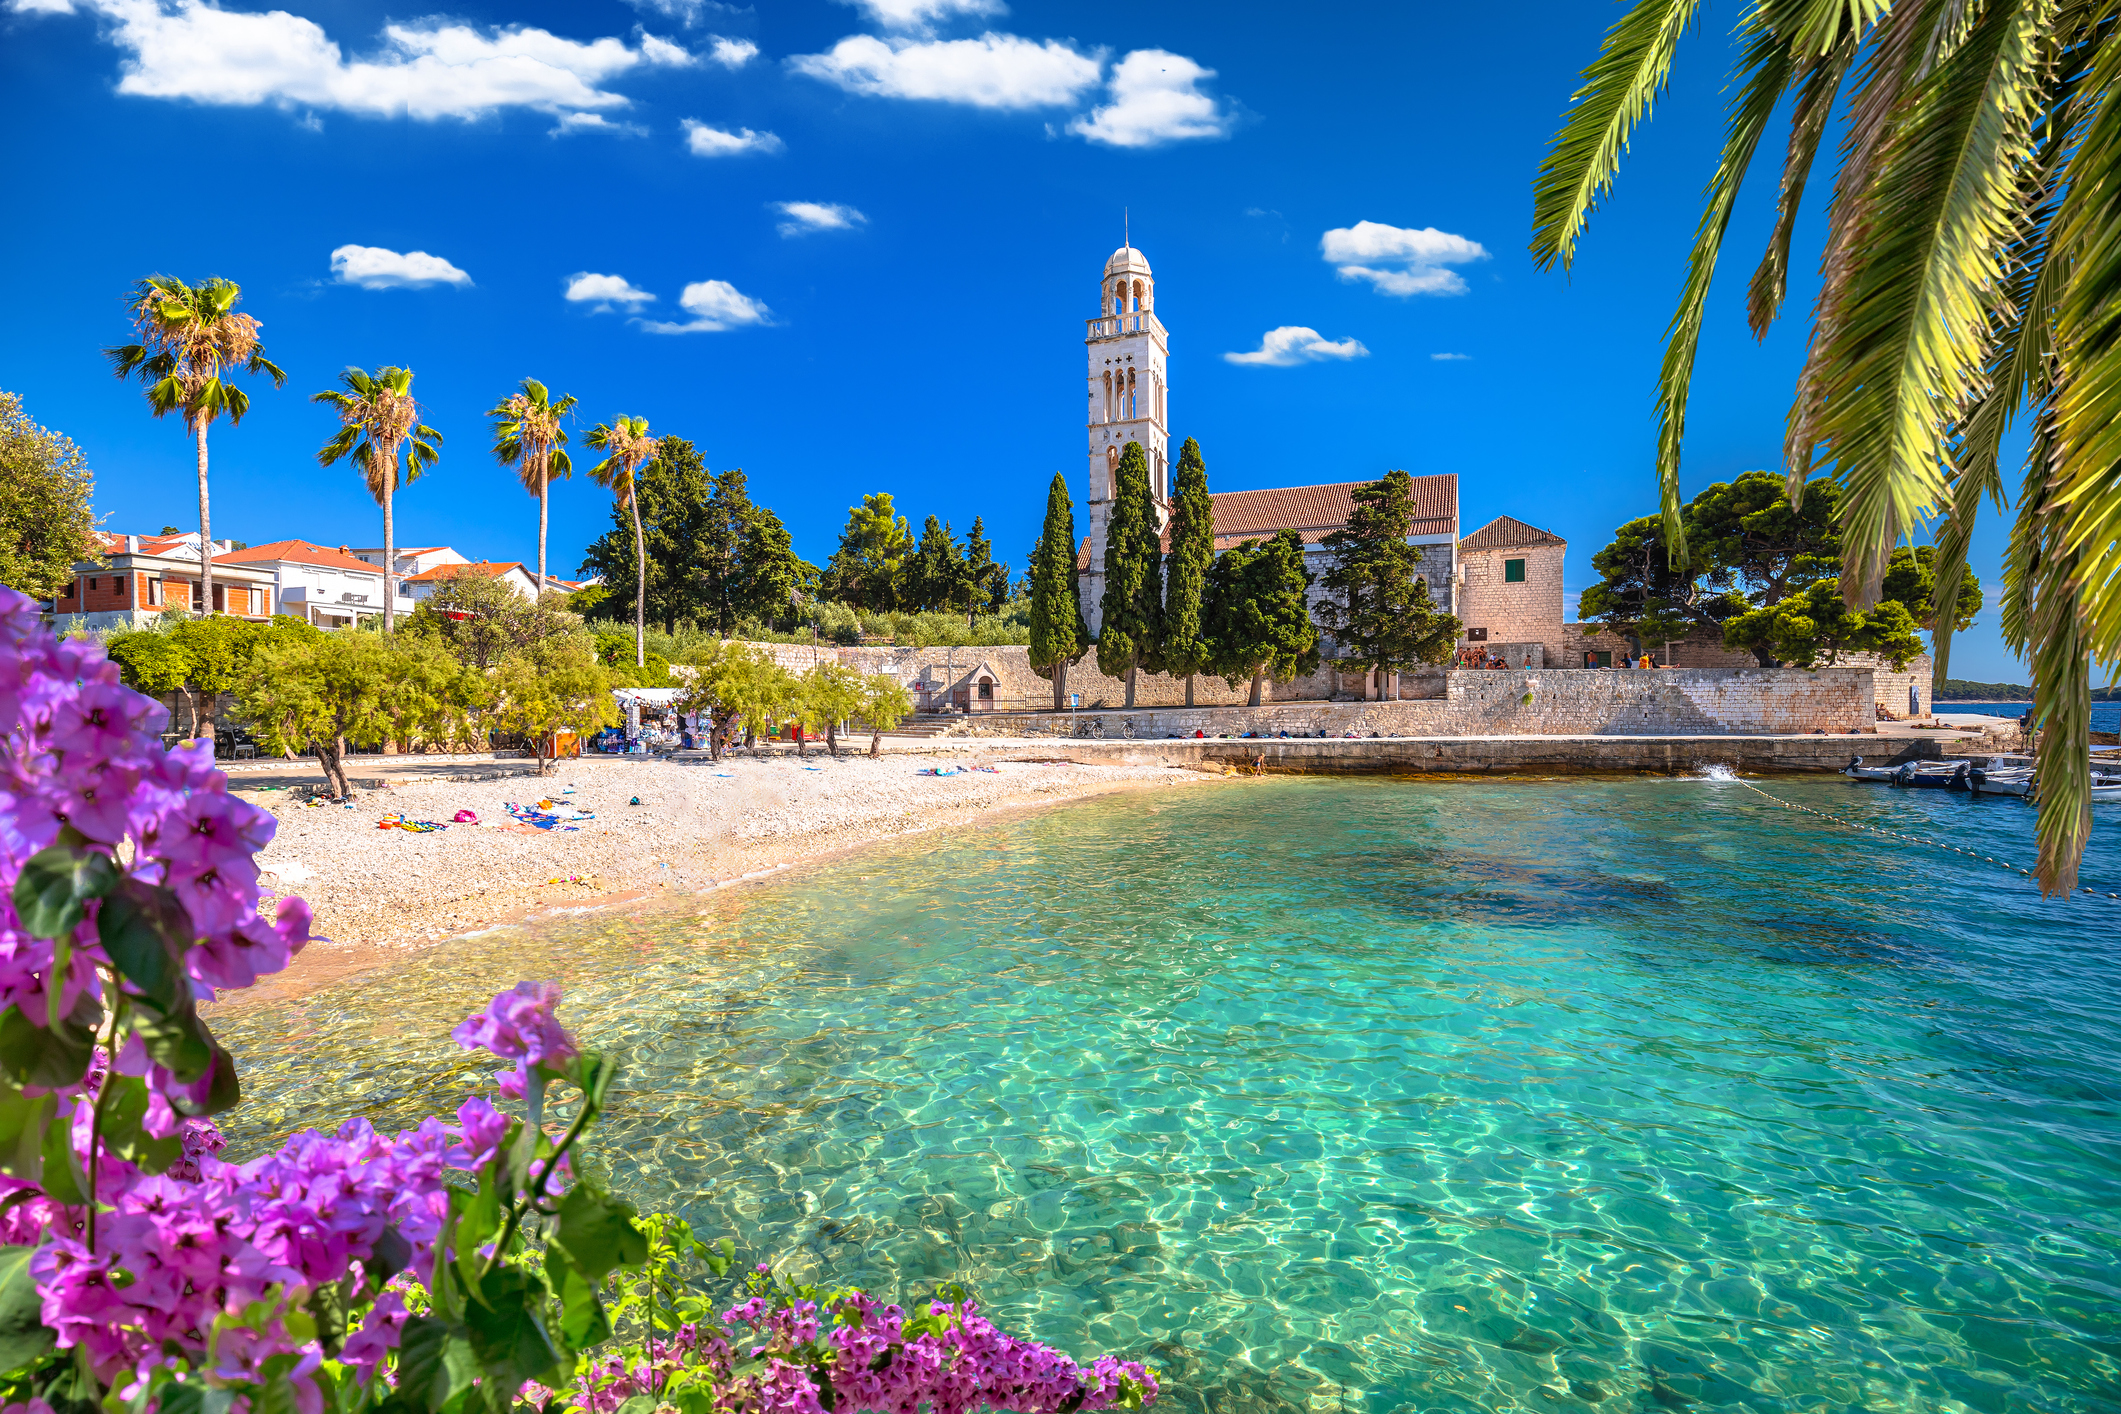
597	1232
144	931
62	1176
476	1220
507	1331
226	1091
638	1404
582	1319
175	1038
124	1134
44	1056
23	1121
277	1396
23	1335
435	1363
55	886
192	1397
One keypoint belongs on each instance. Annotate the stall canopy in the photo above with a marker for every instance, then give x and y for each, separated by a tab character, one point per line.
647	696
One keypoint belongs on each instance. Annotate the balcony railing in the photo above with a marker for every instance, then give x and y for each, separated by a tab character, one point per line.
1112	326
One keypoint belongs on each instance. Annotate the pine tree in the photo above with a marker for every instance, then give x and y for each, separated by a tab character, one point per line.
935	580
1186	647
1378	613
869	569
989	581
1058	634
1255	613
1131	637
672	489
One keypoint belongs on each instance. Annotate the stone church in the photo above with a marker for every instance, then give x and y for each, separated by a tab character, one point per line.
1129	401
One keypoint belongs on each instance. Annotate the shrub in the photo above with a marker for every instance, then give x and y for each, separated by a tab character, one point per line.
456	1268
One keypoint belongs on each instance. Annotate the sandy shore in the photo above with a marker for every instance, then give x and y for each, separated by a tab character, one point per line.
698	826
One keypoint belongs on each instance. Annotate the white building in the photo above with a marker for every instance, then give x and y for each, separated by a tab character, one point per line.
1129	354
414	560
330	588
510	573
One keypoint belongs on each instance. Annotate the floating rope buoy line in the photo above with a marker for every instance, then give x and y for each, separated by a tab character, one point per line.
2004	864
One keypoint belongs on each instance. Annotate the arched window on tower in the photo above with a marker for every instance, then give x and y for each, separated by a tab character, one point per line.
1111	473
1137	296
1108	395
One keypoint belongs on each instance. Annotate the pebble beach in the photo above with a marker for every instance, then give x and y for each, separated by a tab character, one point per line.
379	891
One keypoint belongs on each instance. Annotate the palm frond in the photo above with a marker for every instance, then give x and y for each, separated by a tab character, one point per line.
1769	67
1818	88
1632	67
1908	350
1886	74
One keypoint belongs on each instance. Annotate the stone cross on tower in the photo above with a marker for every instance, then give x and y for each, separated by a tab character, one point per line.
1128	355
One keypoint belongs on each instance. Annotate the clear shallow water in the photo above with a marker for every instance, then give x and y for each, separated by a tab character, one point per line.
1374	1095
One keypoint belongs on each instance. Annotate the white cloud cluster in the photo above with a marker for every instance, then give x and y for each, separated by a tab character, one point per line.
803	217
715	305
923	14
1423	257
701	140
1152	95
1156	99
432	68
602	292
733	53
1293	344
993	71
1451	357
374	268
571	123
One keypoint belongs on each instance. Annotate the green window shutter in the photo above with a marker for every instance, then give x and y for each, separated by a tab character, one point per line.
1513	571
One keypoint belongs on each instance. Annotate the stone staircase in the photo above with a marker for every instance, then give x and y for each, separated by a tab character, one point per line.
920	724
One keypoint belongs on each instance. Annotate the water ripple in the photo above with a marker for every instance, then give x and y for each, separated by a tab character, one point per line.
1369	1095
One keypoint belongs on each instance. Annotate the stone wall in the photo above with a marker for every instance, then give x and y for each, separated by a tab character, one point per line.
1536	702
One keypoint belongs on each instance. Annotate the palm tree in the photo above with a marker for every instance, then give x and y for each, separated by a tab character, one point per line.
628	444
527	435
377	417
190	338
1971	273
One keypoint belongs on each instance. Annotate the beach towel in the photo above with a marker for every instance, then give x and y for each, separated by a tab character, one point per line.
941	771
410	827
548	815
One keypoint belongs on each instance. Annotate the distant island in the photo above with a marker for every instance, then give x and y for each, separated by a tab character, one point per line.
1960	690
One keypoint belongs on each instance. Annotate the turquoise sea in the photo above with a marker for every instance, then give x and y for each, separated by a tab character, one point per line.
1377	1095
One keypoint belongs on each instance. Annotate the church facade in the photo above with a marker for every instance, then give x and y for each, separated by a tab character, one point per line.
1129	356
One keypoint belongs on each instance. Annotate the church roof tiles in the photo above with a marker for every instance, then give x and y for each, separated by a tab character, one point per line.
1314	512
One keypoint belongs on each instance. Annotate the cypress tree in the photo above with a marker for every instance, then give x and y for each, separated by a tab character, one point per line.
1132	635
1256	613
1378	613
1186	647
1058	634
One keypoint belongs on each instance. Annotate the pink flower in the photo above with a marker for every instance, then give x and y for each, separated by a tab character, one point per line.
519	1025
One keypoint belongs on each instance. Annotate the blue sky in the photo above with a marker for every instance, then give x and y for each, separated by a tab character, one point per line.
870	233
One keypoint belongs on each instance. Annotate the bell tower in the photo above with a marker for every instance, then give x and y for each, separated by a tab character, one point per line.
1129	352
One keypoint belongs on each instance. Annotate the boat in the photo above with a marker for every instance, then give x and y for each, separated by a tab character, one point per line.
2002	775
1933	775
1856	770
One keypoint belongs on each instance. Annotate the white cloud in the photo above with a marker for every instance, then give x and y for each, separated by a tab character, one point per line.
922	14
715	305
807	216
688	12
993	71
374	268
571	123
704	141
1424	257
1452	357
604	291
663	52
733	53
430	68
1293	344
1156	99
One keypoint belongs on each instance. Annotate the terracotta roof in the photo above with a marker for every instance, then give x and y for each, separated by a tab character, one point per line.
149	544
1314	512
484	569
299	552
1082	556
1506	532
